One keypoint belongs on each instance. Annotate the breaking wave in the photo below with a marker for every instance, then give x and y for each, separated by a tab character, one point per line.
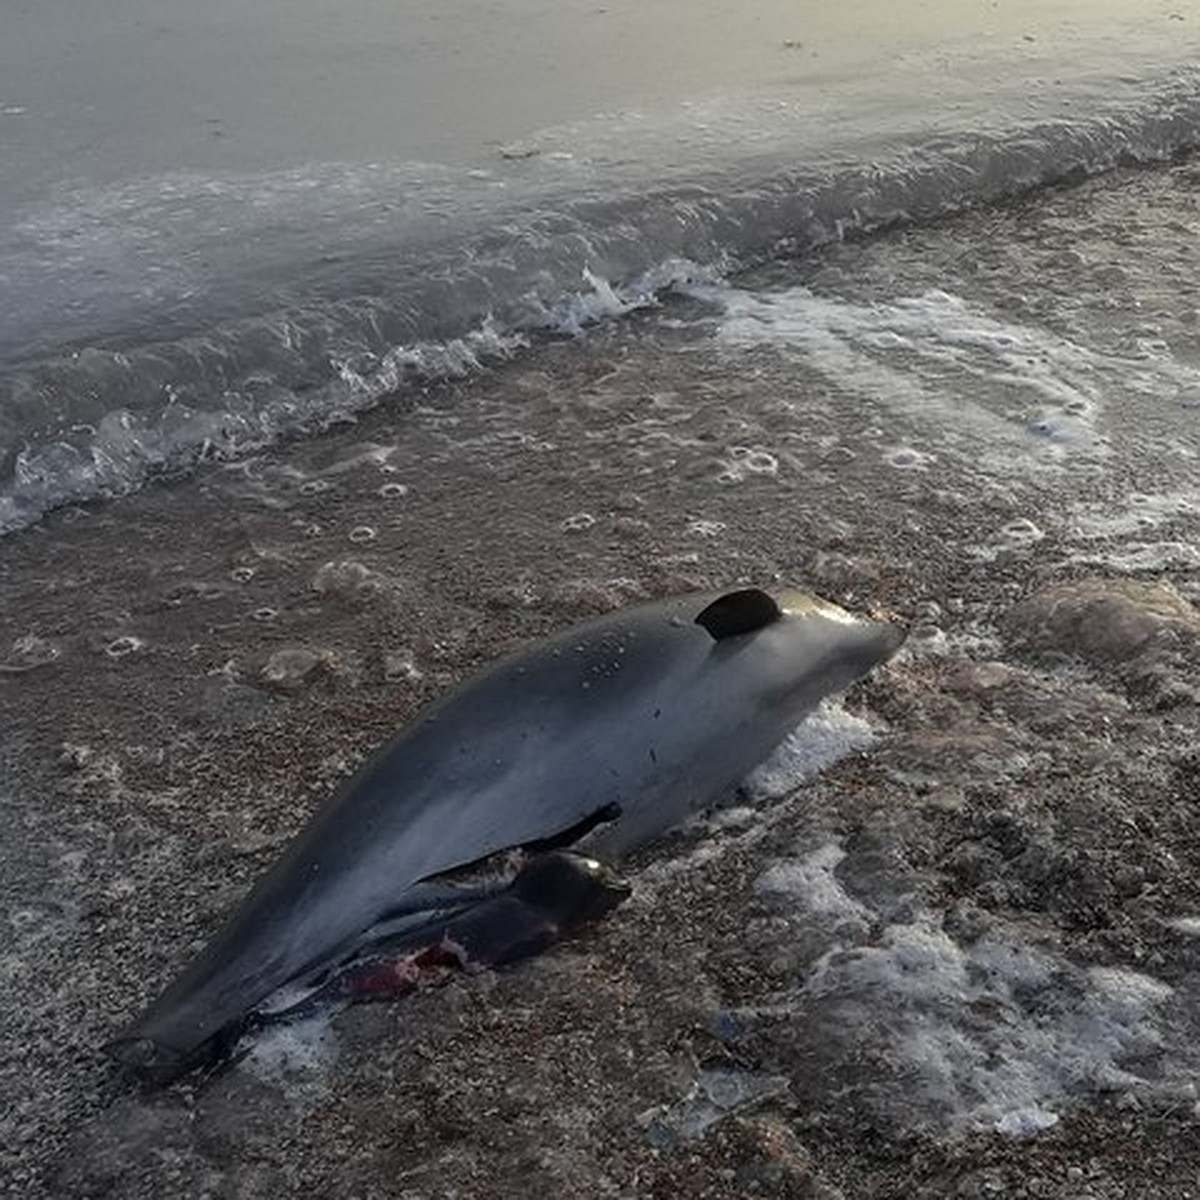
171	361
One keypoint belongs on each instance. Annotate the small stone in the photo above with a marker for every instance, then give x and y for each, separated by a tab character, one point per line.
290	669
29	652
398	665
947	798
1105	621
967	922
75	756
348	580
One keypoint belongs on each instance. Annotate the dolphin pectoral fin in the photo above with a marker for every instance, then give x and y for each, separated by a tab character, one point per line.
432	905
572	834
739	612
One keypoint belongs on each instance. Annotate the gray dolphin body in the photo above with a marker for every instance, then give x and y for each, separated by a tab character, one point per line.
635	719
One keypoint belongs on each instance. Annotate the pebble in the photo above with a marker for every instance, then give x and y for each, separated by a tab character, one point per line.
290	669
1104	621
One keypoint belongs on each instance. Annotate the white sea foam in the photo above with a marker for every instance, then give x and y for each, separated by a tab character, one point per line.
826	735
281	1054
1137	557
902	352
812	882
600	298
1139	513
1042	396
1022	1122
997	1034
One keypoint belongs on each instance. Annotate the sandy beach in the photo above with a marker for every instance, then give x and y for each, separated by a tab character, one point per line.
979	976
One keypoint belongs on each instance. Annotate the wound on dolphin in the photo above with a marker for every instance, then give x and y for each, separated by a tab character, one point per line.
601	737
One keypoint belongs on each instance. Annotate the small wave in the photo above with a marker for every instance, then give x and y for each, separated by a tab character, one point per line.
101	416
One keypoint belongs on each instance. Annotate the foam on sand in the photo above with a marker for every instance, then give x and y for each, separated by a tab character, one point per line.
994	1034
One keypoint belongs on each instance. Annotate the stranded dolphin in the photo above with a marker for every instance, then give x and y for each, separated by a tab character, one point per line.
604	735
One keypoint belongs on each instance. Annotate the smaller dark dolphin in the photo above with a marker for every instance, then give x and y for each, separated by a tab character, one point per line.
602	737
549	898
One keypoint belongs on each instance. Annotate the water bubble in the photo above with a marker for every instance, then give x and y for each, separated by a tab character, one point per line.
362	533
708	529
264	614
120	647
242	574
393	491
759	462
905	458
578	522
1021	532
313	487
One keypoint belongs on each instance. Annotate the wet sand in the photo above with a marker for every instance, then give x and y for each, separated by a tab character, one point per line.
1036	779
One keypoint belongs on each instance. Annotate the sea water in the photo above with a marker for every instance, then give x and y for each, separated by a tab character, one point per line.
223	226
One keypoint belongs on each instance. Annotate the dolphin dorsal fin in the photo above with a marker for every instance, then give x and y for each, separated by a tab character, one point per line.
742	611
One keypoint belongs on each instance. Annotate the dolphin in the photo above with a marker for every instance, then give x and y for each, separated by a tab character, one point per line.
549	896
602	737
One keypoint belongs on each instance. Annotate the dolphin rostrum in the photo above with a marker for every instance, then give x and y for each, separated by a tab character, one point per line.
604	736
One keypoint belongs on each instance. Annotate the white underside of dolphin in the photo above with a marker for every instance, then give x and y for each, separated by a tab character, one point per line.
643	709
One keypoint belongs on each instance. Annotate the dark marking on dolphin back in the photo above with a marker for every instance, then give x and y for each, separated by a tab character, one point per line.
739	612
